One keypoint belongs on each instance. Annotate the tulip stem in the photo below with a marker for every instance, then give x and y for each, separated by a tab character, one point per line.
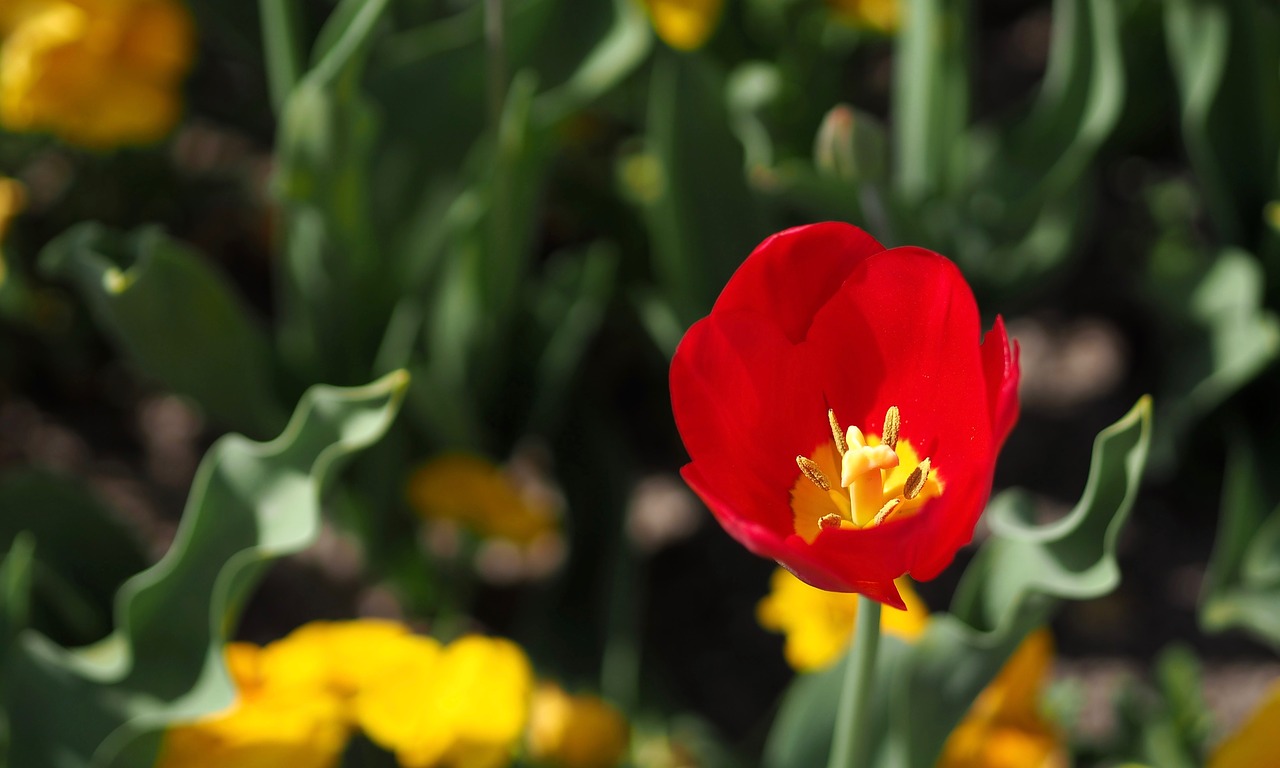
850	744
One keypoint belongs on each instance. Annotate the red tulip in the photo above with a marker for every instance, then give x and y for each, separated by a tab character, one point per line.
822	328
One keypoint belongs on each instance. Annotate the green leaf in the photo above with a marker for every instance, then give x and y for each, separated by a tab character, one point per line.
1227	66
1226	336
690	181
1242	583
83	553
335	295
930	95
107	704
924	690
175	317
15	587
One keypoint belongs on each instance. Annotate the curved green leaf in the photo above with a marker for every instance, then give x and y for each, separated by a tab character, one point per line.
106	704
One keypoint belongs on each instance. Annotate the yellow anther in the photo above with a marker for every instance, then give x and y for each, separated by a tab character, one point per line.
885	511
811	470
830	521
916	480
836	434
863	459
892	420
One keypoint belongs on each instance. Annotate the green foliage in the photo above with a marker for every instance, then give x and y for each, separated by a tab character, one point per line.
79	553
1242	585
104	705
924	689
175	317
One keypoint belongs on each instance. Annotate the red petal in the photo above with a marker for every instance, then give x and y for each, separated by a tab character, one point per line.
745	410
793	273
1000	366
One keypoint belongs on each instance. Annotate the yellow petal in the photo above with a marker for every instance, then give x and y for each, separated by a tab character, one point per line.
818	624
684	24
99	73
1004	727
477	494
1255	744
575	731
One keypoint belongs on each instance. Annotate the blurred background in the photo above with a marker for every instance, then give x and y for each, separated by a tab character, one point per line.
524	203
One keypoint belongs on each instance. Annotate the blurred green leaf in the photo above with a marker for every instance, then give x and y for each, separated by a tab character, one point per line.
1225	337
690	182
930	96
15	588
1168	726
82	552
1227	66
1242	583
923	690
335	299
175	317
570	305
106	705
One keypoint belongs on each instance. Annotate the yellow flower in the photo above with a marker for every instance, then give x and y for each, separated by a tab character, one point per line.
575	731
818	624
464	707
99	73
880	15
341	658
1255	744
474	493
269	726
684	24
1004	727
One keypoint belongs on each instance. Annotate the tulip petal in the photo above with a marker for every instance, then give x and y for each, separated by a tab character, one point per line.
792	274
1000	365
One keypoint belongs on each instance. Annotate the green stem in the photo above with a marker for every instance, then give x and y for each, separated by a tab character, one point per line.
282	47
850	744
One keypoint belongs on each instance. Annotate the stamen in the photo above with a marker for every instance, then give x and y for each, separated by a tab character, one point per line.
830	521
836	432
885	511
892	420
916	480
811	470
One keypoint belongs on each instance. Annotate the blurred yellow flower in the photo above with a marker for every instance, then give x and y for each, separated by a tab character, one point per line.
269	726
342	658
98	73
1255	743
464	707
1004	728
575	731
818	624
883	16
478	495
684	24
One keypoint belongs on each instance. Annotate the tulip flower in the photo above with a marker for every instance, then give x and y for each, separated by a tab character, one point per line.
97	73
840	414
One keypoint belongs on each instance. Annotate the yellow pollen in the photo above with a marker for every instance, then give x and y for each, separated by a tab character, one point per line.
836	434
880	478
813	472
892	421
885	511
916	480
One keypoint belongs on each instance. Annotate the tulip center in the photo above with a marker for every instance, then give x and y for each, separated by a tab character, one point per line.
858	480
